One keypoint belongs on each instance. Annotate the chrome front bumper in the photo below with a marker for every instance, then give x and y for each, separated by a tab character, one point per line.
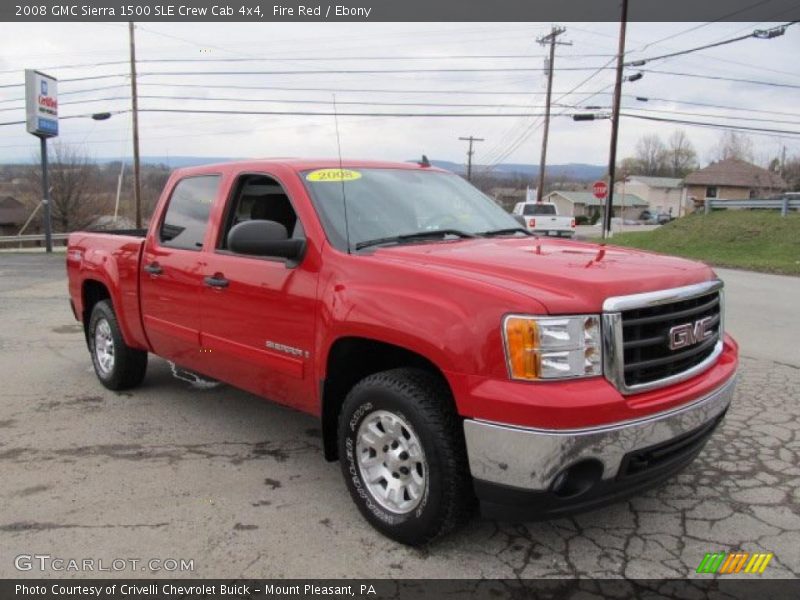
530	459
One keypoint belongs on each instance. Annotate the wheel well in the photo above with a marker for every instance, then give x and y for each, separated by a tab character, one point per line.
350	360
92	293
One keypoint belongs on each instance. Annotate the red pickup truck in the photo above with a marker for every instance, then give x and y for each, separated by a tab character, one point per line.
450	355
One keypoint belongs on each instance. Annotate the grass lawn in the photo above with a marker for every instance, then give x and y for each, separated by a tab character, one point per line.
758	240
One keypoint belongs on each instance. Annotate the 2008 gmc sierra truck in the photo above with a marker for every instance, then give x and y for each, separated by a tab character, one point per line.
449	354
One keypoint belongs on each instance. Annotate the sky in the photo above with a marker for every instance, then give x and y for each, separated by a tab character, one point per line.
509	78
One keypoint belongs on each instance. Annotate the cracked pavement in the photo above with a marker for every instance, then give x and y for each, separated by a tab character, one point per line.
171	470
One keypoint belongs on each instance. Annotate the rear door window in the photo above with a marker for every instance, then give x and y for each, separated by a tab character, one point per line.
186	220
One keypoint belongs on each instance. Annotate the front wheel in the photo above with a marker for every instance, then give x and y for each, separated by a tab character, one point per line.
402	453
117	365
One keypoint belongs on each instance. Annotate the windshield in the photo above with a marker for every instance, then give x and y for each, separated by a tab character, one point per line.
539	209
384	203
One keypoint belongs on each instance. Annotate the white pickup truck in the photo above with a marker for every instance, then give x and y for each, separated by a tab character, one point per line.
542	218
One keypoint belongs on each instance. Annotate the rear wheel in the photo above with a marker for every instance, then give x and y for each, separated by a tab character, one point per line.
402	453
117	365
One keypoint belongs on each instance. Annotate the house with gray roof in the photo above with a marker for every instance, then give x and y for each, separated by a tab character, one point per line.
732	179
576	204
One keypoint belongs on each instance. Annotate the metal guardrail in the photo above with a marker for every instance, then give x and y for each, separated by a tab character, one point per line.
34	237
58	237
784	204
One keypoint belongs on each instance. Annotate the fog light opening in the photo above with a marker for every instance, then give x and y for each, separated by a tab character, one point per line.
577	479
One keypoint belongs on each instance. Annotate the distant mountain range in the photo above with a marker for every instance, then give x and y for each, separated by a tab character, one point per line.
505	170
511	170
579	171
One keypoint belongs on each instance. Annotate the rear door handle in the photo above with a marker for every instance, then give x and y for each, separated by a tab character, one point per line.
216	280
154	268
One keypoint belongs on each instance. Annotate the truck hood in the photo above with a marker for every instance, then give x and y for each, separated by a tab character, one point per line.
564	276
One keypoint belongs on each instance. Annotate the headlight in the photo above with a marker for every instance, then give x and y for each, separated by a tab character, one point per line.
552	347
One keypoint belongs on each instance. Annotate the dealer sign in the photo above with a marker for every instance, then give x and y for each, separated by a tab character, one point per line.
41	104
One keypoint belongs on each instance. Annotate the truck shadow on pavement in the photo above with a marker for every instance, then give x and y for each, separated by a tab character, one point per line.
170	457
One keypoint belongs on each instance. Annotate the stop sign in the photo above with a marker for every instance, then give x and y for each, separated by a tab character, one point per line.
600	189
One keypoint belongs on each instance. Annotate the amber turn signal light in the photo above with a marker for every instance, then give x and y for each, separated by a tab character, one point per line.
522	347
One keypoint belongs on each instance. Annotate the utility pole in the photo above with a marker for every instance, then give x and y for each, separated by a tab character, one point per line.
470	152
550	38
135	111
612	154
783	162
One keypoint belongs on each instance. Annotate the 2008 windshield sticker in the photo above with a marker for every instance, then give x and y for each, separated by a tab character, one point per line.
333	175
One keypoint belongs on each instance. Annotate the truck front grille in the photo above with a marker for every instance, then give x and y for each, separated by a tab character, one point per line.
646	337
660	338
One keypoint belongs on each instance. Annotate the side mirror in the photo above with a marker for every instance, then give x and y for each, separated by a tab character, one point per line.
264	238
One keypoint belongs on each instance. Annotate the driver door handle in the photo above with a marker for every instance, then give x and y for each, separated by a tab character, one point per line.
217	280
154	268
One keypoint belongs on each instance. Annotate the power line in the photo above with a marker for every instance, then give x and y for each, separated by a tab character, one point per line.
758	34
97	89
111	99
759	67
62	117
246	59
434	104
288	101
387	91
719	78
293	89
521	138
356	71
706	24
695	114
331	113
70	80
347	90
712	125
411	115
341	102
708	105
308	72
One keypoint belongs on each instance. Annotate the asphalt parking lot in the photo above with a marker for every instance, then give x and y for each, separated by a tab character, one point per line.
239	485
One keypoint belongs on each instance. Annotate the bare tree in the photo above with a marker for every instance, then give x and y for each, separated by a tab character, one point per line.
154	178
628	166
651	155
681	155
734	145
791	172
74	194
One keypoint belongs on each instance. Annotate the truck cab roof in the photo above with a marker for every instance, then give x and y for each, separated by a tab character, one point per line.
304	164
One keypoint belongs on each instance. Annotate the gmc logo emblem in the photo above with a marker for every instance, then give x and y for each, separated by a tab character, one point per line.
689	334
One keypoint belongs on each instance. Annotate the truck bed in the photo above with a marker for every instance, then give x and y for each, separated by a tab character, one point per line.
110	259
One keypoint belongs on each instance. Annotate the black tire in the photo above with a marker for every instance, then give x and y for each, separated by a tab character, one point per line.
423	401
129	364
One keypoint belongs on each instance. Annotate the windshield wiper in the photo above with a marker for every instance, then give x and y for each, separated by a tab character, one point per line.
410	237
493	232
